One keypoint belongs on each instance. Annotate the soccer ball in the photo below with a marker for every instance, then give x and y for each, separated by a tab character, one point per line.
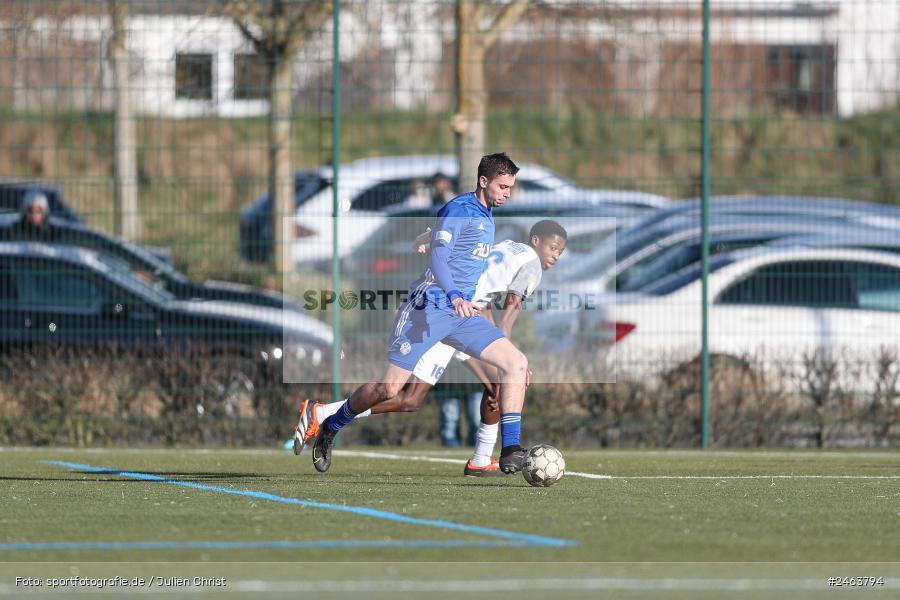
544	465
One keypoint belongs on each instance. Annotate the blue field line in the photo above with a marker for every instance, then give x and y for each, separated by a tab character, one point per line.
275	544
537	540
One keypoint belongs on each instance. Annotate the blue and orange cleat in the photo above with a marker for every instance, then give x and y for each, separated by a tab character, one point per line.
489	470
308	427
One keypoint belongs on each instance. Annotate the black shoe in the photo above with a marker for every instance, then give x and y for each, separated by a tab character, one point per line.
321	450
512	458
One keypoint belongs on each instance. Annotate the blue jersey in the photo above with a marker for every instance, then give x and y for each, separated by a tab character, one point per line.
466	228
461	241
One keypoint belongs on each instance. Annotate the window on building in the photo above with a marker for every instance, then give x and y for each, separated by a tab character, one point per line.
251	77
193	76
802	78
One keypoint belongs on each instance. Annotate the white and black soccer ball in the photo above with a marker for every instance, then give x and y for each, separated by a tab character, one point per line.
544	465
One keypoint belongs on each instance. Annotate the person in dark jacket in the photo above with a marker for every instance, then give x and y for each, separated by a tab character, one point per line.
34	222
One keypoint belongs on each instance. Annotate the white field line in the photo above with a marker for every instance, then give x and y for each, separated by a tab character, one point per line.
454	461
798	454
437	456
387	456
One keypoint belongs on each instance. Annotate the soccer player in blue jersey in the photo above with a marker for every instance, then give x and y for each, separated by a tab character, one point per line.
440	308
515	270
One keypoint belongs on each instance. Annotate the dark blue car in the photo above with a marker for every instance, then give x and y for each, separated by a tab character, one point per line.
66	296
145	264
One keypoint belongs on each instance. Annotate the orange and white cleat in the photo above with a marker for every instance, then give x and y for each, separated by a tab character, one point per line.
491	470
308	427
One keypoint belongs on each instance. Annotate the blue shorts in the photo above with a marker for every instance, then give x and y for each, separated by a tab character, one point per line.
417	328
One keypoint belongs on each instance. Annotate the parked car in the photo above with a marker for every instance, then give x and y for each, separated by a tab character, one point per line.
148	266
858	212
370	186
676	243
789	209
879	240
385	260
775	306
14	193
69	296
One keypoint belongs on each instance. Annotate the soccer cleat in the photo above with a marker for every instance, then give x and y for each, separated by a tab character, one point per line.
308	427
511	459
321	450
490	470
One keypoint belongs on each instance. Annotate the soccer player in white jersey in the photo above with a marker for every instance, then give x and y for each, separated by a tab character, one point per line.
514	270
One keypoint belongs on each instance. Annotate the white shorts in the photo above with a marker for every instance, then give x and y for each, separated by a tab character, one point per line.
432	364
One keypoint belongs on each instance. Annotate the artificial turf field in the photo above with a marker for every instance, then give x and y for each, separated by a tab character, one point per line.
391	523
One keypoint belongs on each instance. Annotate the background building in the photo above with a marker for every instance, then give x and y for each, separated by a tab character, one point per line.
639	57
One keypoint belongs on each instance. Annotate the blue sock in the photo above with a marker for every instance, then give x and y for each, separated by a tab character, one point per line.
510	427
342	417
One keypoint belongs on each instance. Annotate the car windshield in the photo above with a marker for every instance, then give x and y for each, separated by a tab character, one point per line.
633	240
125	277
603	257
656	266
670	259
146	265
543	182
687	275
307	185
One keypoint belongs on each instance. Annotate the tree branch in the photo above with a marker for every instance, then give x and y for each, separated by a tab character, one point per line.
313	17
258	44
503	21
243	15
477	15
305	23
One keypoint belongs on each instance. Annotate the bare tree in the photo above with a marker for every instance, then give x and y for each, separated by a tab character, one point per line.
473	40
277	29
127	220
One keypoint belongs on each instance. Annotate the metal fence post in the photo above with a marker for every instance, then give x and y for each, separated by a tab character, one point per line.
335	200
704	243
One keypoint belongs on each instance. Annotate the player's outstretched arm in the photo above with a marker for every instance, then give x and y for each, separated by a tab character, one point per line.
443	238
422	241
512	306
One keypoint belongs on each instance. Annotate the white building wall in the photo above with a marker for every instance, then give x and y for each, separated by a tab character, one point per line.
417	37
153	42
866	32
868	55
159	39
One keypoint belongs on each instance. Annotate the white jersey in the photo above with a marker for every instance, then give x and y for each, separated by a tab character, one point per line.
511	267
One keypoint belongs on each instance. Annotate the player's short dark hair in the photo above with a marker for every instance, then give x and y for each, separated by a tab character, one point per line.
494	165
547	228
